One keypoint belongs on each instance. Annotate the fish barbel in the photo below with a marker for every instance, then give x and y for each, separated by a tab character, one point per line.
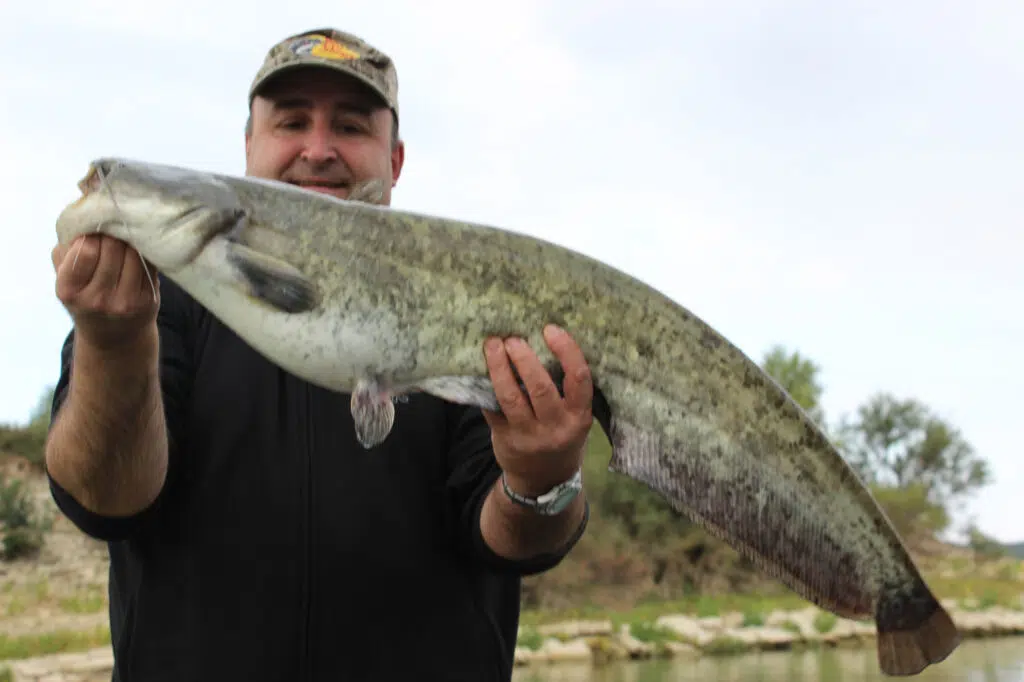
376	302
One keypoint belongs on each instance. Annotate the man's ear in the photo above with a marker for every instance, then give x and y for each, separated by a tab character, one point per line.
397	161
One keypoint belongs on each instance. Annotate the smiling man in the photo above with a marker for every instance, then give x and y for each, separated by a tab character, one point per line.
327	126
251	536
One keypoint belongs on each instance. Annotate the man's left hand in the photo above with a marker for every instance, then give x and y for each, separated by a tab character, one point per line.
539	436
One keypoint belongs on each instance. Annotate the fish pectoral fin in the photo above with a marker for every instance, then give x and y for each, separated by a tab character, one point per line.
463	390
372	412
271	280
368	192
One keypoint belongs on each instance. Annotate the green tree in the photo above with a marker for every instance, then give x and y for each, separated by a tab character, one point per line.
984	544
798	375
899	442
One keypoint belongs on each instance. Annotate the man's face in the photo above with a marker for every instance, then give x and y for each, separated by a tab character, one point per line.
324	131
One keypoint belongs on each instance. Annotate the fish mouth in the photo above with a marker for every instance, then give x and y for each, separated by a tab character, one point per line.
95	175
90	183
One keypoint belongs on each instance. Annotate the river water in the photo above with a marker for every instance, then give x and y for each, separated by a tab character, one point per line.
994	660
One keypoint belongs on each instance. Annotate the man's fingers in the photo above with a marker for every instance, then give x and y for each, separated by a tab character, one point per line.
108	268
57	254
513	403
77	266
132	278
578	385
543	394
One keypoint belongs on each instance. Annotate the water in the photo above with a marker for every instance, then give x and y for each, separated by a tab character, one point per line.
995	660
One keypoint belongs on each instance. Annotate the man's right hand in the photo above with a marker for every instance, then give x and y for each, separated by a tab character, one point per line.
103	285
108	442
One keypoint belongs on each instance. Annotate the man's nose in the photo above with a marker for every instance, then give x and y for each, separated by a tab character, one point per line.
320	147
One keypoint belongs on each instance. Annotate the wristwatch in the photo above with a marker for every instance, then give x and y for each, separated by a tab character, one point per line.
554	501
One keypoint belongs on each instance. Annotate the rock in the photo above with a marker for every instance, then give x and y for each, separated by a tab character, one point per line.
995	621
633	646
95	664
802	620
848	629
524	656
29	669
606	649
557	651
687	628
681	650
763	637
726	621
577	628
102	661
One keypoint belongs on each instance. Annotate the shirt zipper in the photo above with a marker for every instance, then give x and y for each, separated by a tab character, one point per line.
310	516
305	645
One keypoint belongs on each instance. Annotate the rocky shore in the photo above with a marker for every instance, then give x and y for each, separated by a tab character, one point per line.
56	601
600	641
678	635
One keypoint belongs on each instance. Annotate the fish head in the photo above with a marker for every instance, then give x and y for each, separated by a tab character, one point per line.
167	214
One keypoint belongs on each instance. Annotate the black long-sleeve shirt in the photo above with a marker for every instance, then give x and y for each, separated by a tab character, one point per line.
279	549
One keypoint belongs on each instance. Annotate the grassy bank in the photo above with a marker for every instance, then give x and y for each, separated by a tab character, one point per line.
728	627
970	593
642	582
49	643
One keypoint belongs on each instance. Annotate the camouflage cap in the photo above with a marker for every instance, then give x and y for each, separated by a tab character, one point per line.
332	49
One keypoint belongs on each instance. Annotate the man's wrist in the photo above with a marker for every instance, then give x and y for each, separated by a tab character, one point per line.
549	500
535	486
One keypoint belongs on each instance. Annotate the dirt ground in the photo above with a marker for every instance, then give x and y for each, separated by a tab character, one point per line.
64	587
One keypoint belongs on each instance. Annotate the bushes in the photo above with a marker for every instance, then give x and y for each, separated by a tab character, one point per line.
24	441
23	525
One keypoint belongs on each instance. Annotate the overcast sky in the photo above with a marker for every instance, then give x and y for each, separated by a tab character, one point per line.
842	177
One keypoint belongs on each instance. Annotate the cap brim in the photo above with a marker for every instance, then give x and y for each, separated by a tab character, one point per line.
272	74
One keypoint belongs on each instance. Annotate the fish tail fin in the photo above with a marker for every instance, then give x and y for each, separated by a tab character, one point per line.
914	631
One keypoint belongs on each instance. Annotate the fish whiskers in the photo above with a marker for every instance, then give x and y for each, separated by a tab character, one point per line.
98	181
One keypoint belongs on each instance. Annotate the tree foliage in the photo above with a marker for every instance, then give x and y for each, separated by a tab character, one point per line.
899	442
798	375
910	510
984	544
917	465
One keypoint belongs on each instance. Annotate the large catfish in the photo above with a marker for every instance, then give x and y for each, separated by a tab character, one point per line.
372	301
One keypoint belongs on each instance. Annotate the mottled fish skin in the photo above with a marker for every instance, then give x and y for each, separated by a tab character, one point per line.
402	302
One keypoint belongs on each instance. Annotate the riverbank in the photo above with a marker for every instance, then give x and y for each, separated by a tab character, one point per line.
53	608
602	641
673	635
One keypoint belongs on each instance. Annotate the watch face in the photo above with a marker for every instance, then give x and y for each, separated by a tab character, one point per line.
563	497
563	501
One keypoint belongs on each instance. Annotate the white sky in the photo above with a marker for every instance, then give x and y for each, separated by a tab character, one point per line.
837	177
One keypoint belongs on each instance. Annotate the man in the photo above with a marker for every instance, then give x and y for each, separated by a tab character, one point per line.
251	537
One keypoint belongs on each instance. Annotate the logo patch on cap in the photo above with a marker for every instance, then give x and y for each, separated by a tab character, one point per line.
323	47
